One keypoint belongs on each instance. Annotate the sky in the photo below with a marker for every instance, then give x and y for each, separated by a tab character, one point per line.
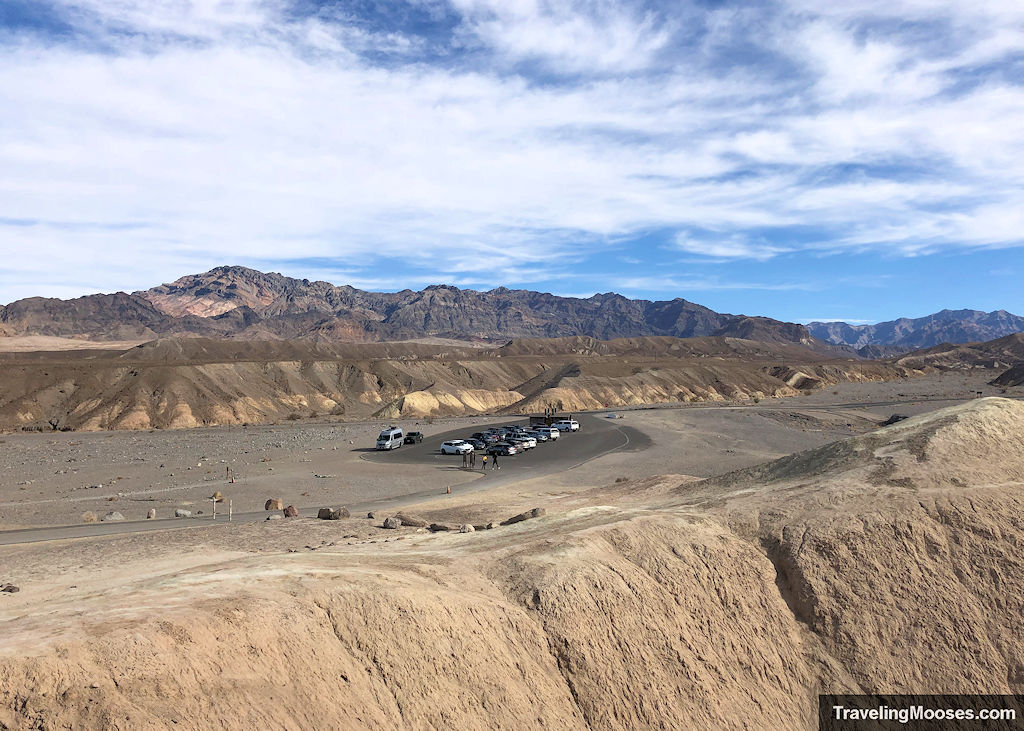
805	160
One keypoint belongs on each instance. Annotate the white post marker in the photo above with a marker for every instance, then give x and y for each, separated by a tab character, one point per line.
214	501
231	510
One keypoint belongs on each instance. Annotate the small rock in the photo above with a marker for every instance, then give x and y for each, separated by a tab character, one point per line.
291	512
11	589
274	503
467	528
216	497
89	517
438	527
492	525
112	515
333	513
412	521
392	523
535	513
371	515
151	515
275	516
180	513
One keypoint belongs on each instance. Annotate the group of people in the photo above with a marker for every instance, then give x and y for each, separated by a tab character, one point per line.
469	461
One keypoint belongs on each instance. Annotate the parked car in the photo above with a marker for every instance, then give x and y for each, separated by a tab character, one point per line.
502	449
567	425
551	432
477	443
456	446
413	437
524	442
540	437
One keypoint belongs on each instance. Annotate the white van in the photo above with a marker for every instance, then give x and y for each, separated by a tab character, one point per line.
390	438
567	425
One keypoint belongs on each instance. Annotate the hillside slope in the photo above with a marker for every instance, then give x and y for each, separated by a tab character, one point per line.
888	563
173	383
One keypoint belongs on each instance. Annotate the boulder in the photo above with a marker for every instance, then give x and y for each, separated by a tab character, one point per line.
112	515
151	515
371	515
412	521
89	517
274	503
181	513
467	528
438	527
333	513
392	523
535	513
291	512
894	419
10	589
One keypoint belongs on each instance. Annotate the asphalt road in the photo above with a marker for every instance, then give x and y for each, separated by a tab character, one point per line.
598	436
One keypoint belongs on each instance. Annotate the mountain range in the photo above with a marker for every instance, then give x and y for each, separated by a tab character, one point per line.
241	303
233	302
947	326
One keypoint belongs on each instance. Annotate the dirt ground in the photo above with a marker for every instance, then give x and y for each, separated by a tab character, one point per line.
53	478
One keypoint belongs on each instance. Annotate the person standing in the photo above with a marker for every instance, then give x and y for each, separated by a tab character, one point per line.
472	460
485	462
494	462
465	460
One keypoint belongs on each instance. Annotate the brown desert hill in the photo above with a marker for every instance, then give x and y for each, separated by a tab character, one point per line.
185	382
1011	377
893	562
999	353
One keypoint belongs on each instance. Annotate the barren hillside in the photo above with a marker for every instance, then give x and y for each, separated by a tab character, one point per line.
188	382
891	562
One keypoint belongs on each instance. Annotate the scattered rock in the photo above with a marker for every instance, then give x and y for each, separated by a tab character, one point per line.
180	513
216	497
893	419
492	525
10	589
535	513
112	515
151	515
275	516
371	515
392	523
467	528
412	521
333	513
291	512
438	527
89	517
274	503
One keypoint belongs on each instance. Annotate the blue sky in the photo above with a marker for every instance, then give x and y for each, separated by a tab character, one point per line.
797	159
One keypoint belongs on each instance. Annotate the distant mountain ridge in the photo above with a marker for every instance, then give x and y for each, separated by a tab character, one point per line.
242	303
947	326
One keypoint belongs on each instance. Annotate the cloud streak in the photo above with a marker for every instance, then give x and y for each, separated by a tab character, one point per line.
503	141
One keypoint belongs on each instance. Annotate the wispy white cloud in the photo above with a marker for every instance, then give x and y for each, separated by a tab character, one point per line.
526	144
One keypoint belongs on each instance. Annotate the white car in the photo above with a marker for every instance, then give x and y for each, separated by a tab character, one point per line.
456	446
567	425
549	431
525	441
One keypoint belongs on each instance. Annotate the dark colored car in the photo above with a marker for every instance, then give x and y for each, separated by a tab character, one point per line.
502	449
477	443
413	437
